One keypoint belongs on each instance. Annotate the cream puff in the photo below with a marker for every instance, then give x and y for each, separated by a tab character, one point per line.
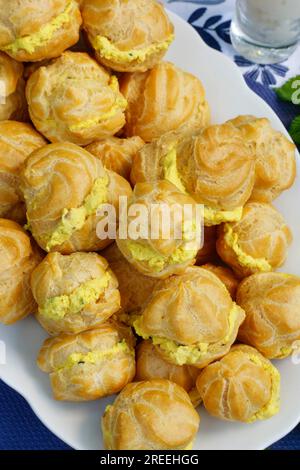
259	242
162	235
226	275
74	292
163	99
275	169
33	30
18	260
271	302
242	386
117	154
215	166
151	365
127	35
150	415
17	141
89	365
190	318
75	99
64	186
134	287
12	92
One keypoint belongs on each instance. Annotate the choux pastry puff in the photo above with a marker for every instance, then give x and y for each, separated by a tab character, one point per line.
259	242
275	169
150	415
74	292
271	303
89	365
117	154
127	35
171	241
17	141
226	275
162	100
190	318
64	186
18	260
36	30
134	286
12	92
242	386
215	166
75	99
151	365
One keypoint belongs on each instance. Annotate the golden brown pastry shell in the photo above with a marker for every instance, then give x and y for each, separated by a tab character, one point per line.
13	102
60	176
134	287
172	313
74	99
272	323
215	165
18	259
159	194
88	381
22	19
262	234
275	169
117	154
151	365
59	275
236	387
131	26
155	415
17	141
163	99
226	275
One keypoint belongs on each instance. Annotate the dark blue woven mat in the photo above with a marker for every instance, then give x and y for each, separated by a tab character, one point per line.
20	429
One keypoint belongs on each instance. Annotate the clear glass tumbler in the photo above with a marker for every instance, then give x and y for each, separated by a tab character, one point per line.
266	31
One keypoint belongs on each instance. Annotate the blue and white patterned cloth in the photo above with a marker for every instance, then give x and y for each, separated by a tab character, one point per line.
211	19
19	427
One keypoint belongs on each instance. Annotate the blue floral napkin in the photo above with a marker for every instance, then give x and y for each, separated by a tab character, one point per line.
211	19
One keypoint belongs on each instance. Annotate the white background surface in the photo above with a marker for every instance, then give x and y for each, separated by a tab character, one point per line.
79	424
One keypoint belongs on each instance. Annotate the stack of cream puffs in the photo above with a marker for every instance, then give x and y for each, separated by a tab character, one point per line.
93	112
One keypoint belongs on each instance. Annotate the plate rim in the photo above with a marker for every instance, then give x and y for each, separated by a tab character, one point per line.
238	76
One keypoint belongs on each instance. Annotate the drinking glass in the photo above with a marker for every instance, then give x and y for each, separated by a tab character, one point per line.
266	31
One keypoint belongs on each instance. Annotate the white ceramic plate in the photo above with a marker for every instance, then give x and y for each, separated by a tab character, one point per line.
79	424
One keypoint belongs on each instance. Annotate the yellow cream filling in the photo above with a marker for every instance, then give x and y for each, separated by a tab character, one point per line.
211	216
285	352
120	104
217	217
75	218
107	435
190	446
158	262
189	354
244	259
109	51
273	405
56	308
93	357
45	34
170	171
